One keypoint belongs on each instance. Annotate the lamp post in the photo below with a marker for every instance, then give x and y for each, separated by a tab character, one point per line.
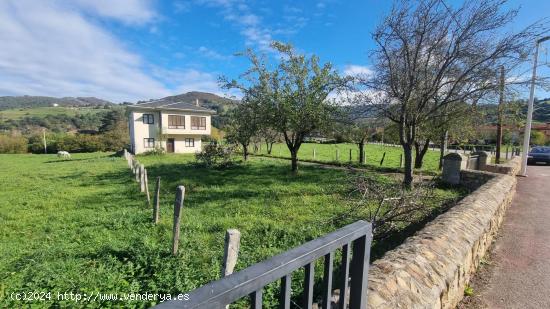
527	134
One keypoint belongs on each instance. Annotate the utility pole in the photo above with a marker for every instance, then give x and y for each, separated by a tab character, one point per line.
500	111
527	134
44	139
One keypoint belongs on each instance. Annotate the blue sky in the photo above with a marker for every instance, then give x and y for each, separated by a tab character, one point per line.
128	50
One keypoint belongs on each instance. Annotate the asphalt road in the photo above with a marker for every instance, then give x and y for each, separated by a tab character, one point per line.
520	273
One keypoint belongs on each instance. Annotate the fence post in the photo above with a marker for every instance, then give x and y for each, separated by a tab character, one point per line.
136	167
178	206
231	251
350	155
156	202
141	178
146	181
383	157
314	153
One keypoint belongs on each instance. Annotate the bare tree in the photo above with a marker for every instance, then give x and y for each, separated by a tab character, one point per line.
430	55
270	137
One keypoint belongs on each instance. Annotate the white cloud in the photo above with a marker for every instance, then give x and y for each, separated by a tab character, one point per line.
212	54
128	11
357	70
53	50
250	24
182	6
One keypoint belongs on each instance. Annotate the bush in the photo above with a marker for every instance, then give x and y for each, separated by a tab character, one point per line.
215	155
13	144
158	151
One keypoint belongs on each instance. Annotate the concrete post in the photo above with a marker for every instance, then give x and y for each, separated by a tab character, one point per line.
156	202
231	251
141	178
452	164
483	158
178	206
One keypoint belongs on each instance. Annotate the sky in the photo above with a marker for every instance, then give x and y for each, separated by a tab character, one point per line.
129	50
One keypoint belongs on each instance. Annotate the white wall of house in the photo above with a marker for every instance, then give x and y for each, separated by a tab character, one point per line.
188	128
186	140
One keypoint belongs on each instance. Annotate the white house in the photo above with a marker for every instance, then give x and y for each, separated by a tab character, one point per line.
175	127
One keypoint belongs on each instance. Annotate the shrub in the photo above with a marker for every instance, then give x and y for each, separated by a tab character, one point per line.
215	155
13	144
157	151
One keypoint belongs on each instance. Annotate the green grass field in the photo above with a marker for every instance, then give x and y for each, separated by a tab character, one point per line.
18	113
374	153
82	226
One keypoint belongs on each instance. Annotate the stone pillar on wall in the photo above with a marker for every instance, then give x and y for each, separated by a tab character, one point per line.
483	158
452	164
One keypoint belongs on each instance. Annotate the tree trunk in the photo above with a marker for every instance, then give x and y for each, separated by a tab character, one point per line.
361	151
408	177
245	152
442	148
269	147
420	151
294	156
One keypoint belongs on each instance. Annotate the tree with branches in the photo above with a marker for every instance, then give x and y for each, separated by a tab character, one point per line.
292	95
430	56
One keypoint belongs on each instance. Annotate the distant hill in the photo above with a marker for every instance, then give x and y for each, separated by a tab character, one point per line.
9	102
208	100
541	111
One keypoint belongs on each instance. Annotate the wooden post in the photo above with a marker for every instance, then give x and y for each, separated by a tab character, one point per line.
178	206
313	153
383	157
350	155
146	181
156	202
141	178
231	251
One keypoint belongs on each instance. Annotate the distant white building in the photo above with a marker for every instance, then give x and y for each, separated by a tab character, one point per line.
176	127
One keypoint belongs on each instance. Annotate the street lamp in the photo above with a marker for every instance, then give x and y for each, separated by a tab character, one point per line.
527	134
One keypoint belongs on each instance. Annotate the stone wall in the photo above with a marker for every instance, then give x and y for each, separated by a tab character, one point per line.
473	179
432	268
509	168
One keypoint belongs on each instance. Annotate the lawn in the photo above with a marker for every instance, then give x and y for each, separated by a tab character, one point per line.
374	152
81	225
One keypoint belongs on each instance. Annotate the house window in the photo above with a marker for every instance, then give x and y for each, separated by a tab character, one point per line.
148	119
189	142
176	122
149	143
198	123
